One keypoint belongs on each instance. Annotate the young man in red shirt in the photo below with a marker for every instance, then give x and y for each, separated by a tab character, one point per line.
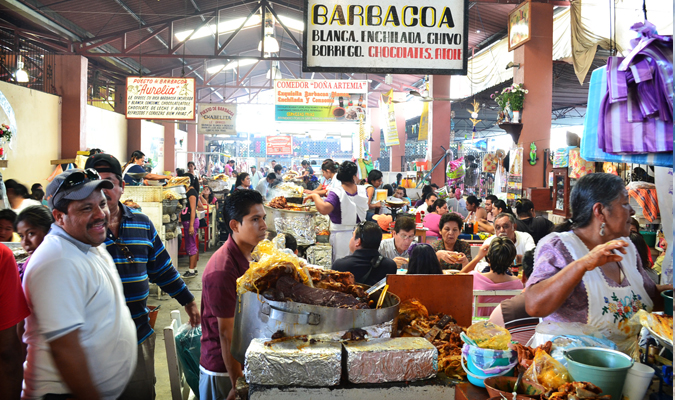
246	215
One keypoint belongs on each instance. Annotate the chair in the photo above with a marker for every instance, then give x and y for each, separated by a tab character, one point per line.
180	390
477	305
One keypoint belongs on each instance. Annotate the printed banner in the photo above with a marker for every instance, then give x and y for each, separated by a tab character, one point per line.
279	145
392	36
299	100
160	98
390	130
217	119
423	134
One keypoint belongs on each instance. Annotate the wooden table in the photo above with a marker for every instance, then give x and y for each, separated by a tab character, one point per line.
467	391
422	234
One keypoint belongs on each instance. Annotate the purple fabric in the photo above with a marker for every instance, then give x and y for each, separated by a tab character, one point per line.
336	215
636	114
190	240
551	257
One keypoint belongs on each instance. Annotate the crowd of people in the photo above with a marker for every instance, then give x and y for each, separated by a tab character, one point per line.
75	320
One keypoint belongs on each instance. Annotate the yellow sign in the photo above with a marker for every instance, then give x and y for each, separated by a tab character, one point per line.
391	133
424	123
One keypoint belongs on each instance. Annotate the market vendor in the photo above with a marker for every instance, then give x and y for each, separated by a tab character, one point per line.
397	246
452	253
588	271
374	182
346	206
135	166
328	181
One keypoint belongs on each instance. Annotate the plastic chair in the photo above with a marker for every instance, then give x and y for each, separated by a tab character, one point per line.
180	390
477	305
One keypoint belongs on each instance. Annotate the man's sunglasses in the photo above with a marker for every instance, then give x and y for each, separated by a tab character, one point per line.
127	253
78	178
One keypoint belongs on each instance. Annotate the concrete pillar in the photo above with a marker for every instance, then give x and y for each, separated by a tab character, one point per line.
439	135
536	74
70	80
201	142
170	146
191	141
121	99
375	125
398	152
133	137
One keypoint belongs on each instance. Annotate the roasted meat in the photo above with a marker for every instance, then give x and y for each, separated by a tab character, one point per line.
296	291
578	391
410	310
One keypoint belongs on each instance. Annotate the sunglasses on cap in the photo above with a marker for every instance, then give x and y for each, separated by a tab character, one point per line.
77	178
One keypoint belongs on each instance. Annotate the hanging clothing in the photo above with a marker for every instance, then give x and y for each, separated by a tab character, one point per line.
348	210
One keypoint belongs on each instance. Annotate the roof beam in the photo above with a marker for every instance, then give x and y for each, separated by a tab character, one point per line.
229	39
145	39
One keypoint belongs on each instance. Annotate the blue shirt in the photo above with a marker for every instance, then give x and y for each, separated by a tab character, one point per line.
141	258
135	169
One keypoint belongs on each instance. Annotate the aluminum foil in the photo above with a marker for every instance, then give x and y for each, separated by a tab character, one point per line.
379	331
321	254
391	360
299	224
293	362
322	223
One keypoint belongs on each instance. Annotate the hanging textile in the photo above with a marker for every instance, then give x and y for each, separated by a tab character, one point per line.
647	199
579	166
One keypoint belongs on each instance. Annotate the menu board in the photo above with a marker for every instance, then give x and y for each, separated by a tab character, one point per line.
217	119
386	36
279	145
160	98
299	100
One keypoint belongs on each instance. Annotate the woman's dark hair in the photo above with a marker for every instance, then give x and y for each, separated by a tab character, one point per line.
390	190
473	200
429	194
502	206
238	205
399	176
423	261
427	189
437	204
528	263
133	157
347	171
450	217
523	207
329	165
590	189
240	179
374	175
405	193
18	188
8	215
38	194
635	223
501	254
642	248
35	186
36	216
291	243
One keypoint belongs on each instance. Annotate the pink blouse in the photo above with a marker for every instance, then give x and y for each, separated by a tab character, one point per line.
431	221
481	282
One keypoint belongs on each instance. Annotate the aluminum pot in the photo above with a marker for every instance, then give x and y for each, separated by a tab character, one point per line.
257	317
300	224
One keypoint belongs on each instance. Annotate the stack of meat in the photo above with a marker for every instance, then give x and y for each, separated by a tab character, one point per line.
278	202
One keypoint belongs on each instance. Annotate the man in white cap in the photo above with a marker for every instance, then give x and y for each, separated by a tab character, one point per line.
80	335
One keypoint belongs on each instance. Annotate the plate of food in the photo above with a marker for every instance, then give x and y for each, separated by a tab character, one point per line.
354	112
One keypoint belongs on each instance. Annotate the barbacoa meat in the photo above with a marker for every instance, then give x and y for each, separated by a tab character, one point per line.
300	293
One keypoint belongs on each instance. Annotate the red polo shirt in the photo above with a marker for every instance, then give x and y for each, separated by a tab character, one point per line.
219	300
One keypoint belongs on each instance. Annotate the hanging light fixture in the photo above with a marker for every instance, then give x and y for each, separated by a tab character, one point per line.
20	75
274	71
388	79
271	44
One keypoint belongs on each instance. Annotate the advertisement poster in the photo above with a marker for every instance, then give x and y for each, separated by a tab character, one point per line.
424	123
301	100
390	130
217	119
279	145
160	98
393	36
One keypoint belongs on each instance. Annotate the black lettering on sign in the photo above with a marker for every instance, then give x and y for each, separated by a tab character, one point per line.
374	13
446	18
392	17
356	11
413	12
338	16
319	14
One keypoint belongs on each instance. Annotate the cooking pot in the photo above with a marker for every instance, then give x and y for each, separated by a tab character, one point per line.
258	317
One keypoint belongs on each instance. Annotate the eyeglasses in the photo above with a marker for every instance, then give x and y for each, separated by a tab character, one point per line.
406	237
127	253
78	178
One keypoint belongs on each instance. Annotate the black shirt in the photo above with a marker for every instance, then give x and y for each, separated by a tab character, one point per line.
361	262
537	227
185	215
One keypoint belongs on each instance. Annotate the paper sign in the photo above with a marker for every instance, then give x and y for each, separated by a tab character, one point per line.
390	131
217	119
279	145
320	100
424	123
160	98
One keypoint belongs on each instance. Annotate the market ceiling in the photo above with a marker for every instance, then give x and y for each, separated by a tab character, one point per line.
123	37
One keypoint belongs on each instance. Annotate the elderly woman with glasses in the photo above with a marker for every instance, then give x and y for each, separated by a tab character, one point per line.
452	253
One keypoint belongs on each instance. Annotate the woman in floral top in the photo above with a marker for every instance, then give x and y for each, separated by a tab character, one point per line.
452	253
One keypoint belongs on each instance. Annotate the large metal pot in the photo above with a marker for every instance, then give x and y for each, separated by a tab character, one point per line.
257	317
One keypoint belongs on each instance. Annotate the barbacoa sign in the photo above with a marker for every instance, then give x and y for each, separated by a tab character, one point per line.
392	36
160	98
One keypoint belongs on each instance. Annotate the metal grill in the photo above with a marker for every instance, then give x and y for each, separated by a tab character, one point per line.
38	62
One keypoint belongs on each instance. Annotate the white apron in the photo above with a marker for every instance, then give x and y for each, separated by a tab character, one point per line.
610	308
350	208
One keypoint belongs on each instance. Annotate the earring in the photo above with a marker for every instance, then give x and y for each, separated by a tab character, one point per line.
602	229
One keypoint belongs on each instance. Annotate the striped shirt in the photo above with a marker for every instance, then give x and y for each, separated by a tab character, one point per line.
141	258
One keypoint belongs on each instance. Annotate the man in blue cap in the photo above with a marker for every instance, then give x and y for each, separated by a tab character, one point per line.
80	335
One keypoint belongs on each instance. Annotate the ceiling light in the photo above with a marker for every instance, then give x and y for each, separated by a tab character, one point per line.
225	27
271	45
477	30
20	75
232	65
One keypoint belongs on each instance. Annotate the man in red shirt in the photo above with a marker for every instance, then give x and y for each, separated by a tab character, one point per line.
13	310
246	215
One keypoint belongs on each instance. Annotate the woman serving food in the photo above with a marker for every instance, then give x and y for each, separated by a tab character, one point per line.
588	271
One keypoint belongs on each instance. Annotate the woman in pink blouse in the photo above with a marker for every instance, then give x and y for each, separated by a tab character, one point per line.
500	256
433	217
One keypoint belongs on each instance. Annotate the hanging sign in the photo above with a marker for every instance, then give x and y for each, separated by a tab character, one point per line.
160	98
300	100
279	145
217	119
390	131
386	36
423	134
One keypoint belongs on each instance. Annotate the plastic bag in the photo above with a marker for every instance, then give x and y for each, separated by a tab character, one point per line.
565	342
189	347
546	371
489	336
546	331
455	171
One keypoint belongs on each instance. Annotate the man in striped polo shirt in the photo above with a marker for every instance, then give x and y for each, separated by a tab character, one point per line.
141	258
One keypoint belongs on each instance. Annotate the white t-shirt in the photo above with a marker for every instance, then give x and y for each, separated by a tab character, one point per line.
72	286
458	206
423	207
524	242
25	204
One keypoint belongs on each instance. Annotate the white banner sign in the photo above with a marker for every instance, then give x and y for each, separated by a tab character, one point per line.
297	100
392	36
217	119
160	98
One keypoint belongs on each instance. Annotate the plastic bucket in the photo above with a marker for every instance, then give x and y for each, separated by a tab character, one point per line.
667	302
485	363
604	368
